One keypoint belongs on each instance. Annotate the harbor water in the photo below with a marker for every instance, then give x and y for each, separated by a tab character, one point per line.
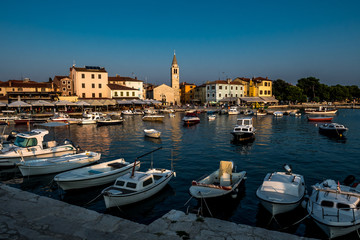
195	151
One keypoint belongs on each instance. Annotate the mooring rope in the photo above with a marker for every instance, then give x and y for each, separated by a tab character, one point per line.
297	222
93	199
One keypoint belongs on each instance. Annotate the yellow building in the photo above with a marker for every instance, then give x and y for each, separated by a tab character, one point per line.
245	82
256	87
187	92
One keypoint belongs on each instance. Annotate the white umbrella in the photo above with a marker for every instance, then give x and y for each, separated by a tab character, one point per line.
2	104
19	104
42	103
64	103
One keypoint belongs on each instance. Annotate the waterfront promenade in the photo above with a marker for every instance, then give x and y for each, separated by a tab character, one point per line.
24	215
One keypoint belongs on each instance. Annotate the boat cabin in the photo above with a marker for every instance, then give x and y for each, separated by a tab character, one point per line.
282	183
244	125
31	139
138	182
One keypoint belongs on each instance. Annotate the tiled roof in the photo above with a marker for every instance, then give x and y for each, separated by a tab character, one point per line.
126	79
28	84
120	87
58	78
223	82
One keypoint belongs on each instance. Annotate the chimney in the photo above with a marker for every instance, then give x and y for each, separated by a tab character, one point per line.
26	79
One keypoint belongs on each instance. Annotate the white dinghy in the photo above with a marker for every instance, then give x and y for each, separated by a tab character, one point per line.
219	183
281	192
31	145
95	175
152	133
335	208
136	186
57	164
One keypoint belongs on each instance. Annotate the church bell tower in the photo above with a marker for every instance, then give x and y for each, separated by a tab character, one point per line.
175	79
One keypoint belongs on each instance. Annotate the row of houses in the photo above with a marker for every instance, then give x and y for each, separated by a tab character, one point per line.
93	82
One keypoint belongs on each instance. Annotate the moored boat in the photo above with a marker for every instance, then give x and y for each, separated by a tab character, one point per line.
211	117
335	207
222	182
95	175
57	164
32	145
152	133
233	111
278	114
281	192
320	119
155	118
333	129
190	118
91	118
323	110
244	129
109	121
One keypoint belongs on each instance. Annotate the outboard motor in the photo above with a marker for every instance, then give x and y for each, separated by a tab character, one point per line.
349	180
287	168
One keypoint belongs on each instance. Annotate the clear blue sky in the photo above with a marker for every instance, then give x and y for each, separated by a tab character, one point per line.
213	39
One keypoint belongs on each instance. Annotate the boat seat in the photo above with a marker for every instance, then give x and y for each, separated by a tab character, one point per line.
225	179
94	171
116	165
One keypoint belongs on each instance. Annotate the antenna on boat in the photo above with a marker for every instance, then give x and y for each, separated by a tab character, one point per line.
133	170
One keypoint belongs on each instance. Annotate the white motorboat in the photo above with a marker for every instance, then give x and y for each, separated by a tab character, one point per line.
63	117
278	114
138	112
211	117
335	208
155	118
233	111
260	112
248	112
57	164
244	129
152	133
219	183
91	119
190	118
281	192
136	186
333	129
95	175
127	112
32	145
172	115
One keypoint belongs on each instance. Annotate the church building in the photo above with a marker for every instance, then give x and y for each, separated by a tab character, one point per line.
169	95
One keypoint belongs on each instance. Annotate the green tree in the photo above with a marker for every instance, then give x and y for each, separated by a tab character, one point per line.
310	86
280	89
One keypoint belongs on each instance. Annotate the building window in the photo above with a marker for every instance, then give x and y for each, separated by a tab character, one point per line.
63	82
99	85
225	87
212	87
83	85
219	94
100	95
68	82
99	76
236	88
265	83
82	75
13	89
133	93
116	94
83	95
208	95
240	88
121	94
42	89
69	93
127	94
69	86
235	95
261	92
64	89
225	95
220	87
93	95
92	76
213	94
93	85
231	88
208	88
20	89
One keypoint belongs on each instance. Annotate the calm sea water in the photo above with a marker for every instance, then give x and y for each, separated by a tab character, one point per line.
197	150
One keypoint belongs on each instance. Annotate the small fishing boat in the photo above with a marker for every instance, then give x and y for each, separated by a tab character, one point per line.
91	119
219	183
333	129
281	192
109	121
57	164
172	115
244	129
127	112
320	119
155	118
152	133
278	114
32	145
191	118
63	117
260	112
95	175
322	110
248	112
211	117
335	207
233	111
136	186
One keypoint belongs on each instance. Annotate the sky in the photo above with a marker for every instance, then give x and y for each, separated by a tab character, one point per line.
212	40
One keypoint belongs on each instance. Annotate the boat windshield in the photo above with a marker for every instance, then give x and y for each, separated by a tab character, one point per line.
25	142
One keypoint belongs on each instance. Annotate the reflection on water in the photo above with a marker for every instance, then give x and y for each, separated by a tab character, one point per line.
197	151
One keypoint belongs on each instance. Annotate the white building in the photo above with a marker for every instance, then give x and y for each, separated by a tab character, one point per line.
217	90
133	86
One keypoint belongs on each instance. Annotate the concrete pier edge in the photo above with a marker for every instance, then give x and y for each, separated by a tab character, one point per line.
24	215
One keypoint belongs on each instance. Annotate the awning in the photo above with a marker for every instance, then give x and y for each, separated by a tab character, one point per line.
42	103
124	102
269	99
64	103
82	103
229	99
19	104
251	99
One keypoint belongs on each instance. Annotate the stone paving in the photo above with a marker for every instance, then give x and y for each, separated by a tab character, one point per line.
24	215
